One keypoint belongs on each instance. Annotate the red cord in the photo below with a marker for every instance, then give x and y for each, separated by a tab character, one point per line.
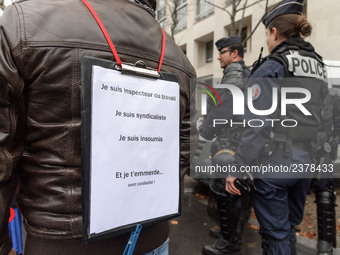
12	214
163	51
107	37
109	41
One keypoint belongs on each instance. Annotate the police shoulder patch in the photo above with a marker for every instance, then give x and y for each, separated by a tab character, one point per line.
256	91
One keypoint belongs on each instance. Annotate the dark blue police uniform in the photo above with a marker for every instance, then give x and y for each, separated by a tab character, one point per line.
278	202
232	210
279	198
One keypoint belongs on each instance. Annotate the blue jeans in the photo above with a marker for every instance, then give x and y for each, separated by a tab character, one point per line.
161	250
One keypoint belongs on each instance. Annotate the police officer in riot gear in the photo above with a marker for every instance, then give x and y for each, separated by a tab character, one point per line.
323	185
232	217
279	200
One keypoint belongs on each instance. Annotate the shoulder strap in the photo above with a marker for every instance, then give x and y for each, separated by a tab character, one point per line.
246	71
280	56
257	64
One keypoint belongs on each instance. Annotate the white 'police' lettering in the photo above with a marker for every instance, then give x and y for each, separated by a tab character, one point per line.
306	67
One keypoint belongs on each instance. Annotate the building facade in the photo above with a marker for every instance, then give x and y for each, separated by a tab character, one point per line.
202	22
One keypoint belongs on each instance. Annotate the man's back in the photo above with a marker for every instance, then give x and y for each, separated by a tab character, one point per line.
42	44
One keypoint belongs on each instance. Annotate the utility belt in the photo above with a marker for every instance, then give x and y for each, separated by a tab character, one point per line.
318	147
294	144
278	140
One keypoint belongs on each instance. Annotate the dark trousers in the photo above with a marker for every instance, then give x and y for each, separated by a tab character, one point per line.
279	202
279	206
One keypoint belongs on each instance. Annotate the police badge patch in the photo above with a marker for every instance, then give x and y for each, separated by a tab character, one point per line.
256	91
306	67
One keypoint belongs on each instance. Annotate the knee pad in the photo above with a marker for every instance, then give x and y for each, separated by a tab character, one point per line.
325	202
325	197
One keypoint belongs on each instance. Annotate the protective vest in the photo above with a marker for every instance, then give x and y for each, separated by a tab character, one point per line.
230	137
327	115
304	69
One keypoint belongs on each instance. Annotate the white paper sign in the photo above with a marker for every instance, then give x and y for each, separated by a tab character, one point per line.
134	149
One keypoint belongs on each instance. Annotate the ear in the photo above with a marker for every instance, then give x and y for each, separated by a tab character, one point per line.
274	30
234	53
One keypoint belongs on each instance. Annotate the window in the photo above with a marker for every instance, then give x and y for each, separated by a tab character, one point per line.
204	49
244	33
209	51
203	8
184	48
161	13
182	15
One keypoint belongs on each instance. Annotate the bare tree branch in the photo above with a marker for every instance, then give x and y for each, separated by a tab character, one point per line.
218	7
245	7
237	4
232	14
173	5
232	18
257	25
241	21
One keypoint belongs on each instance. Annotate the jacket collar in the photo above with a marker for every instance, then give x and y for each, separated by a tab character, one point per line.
297	42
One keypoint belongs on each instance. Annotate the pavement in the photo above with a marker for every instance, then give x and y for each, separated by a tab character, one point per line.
190	232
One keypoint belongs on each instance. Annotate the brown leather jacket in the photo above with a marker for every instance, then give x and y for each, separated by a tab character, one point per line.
41	46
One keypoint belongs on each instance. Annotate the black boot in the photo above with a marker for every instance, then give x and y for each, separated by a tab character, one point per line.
324	248
325	201
230	240
223	247
244	217
215	232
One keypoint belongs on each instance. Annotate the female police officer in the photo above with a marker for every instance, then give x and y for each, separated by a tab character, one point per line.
279	198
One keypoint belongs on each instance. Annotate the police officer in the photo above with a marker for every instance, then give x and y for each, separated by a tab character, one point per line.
323	185
229	206
279	202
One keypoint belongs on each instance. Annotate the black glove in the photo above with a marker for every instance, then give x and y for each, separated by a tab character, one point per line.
245	185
